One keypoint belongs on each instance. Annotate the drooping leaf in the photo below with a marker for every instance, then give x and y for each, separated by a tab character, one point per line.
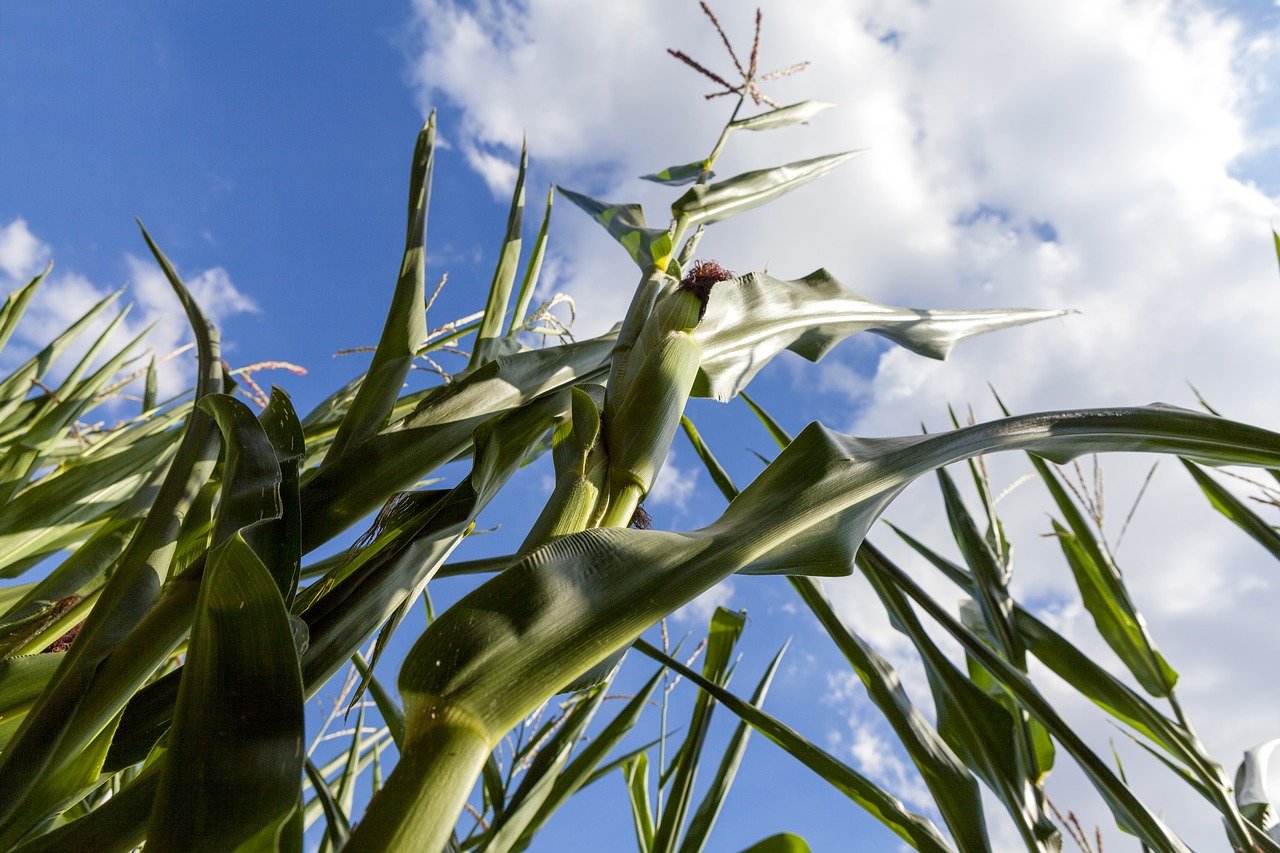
645	245
751	319
1235	509
584	596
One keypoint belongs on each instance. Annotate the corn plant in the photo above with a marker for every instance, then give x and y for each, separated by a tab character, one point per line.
155	668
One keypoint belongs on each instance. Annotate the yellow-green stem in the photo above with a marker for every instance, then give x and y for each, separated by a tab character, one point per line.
417	808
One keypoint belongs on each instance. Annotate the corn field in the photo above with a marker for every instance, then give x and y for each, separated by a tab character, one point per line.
163	625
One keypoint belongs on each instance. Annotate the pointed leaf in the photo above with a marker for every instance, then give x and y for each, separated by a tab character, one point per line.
707	203
783	116
883	806
645	245
532	271
504	275
406	324
677	176
751	319
704	819
1235	509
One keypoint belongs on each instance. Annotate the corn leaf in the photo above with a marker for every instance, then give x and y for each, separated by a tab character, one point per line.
751	319
52	729
636	775
1235	509
707	203
722	635
677	176
703	820
436	432
406	324
1105	595
889	810
953	787
236	748
489	336
782	116
783	842
534	268
1130	813
625	222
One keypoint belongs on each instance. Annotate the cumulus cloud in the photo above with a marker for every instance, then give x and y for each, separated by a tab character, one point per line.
65	297
1106	156
674	486
21	254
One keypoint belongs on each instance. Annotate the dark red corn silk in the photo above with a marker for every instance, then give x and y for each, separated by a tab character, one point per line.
704	276
641	520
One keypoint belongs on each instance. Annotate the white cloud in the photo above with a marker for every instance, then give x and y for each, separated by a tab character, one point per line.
674	486
65	297
1093	155
21	254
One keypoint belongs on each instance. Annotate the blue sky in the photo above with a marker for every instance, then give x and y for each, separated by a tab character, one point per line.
1119	158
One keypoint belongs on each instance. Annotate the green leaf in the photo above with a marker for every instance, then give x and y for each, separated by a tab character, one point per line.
982	731
17	385
751	319
526	806
582	597
782	117
582	770
406	324
530	283
387	707
888	809
953	787
488	338
236	748
250	490
21	680
636	775
15	305
707	203
718	475
700	825
783	842
1233	508
117	826
436	432
677	176
645	245
1129	812
1105	595
53	730
278	541
722	635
